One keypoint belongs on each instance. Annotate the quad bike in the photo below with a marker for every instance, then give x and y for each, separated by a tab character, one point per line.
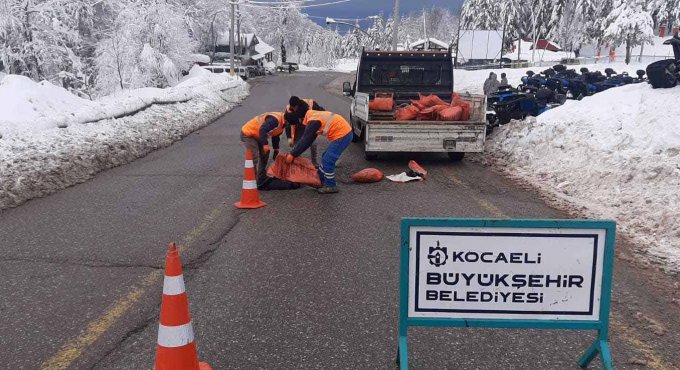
513	104
666	73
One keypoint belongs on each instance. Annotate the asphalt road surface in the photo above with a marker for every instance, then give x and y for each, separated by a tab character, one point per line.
308	282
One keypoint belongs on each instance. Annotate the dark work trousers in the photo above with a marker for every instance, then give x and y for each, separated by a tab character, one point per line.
259	158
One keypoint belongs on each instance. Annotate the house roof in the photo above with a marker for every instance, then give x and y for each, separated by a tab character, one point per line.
223	38
432	40
263	48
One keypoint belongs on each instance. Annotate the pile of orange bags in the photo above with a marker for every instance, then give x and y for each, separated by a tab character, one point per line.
433	108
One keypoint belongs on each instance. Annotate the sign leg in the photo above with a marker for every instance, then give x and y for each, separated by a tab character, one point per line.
600	347
589	355
402	354
606	355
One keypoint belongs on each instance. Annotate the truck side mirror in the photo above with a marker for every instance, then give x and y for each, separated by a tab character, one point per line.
346	88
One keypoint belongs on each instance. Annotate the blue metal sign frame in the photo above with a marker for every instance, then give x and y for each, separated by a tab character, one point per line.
600	345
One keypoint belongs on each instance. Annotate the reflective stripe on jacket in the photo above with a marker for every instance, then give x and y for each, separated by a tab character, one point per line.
333	126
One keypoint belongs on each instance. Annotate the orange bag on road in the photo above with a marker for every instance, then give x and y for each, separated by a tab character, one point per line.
415	167
431	100
301	171
368	175
406	113
450	114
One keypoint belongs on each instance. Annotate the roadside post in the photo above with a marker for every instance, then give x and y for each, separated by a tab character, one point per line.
493	273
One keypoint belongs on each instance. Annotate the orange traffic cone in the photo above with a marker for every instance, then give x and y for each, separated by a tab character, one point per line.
176	349
249	197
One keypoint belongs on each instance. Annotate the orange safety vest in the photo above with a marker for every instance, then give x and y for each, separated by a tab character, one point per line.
252	127
333	126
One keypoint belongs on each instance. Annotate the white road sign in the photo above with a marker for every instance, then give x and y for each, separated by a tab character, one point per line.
505	273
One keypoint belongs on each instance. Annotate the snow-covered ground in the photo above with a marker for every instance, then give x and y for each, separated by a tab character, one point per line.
51	139
612	155
341	65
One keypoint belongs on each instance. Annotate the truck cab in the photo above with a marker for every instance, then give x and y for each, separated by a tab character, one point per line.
403	75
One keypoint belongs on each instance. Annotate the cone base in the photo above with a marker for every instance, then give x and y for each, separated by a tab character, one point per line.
204	366
242	205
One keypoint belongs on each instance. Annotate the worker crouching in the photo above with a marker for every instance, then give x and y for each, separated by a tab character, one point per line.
255	136
338	132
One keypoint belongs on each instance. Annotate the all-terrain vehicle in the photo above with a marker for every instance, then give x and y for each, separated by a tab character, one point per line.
666	73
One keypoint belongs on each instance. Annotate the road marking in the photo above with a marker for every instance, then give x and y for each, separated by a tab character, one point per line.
73	349
495	211
627	333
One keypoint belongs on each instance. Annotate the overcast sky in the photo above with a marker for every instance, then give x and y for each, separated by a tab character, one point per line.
363	8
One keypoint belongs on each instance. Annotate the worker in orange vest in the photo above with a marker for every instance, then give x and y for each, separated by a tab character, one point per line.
295	113
338	132
255	135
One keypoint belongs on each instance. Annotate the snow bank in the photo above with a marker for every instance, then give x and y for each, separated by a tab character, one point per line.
616	154
38	158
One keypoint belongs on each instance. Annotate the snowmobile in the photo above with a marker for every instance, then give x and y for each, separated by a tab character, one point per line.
666	73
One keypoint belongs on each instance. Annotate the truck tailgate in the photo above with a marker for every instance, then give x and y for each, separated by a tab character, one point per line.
419	137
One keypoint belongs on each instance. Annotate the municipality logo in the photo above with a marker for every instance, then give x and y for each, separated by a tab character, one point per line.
437	255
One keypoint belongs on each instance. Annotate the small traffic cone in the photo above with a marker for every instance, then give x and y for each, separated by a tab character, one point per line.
249	196
176	349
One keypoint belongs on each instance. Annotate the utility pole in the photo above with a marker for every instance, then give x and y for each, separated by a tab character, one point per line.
395	26
231	40
238	32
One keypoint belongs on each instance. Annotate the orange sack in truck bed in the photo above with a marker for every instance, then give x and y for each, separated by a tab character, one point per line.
450	114
431	100
430	114
406	113
382	102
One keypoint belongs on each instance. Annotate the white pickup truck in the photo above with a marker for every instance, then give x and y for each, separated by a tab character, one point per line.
405	74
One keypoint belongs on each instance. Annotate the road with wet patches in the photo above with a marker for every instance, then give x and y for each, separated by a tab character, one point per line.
308	282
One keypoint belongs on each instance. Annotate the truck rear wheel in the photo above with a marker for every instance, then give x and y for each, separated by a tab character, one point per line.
456	156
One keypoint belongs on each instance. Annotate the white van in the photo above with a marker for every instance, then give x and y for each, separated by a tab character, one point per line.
222	68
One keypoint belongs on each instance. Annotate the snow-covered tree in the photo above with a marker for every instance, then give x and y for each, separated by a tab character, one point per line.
147	45
482	15
629	24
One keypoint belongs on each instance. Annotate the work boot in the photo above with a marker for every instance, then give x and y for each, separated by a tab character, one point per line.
327	190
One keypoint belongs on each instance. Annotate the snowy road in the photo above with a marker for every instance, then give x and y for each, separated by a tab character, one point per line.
306	282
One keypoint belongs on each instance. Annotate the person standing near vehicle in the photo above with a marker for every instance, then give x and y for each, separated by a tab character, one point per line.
491	84
295	113
339	133
255	136
504	80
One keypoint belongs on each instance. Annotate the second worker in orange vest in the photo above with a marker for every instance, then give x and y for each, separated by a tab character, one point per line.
295	114
255	136
338	132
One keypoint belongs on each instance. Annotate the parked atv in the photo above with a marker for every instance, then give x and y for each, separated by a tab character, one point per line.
666	73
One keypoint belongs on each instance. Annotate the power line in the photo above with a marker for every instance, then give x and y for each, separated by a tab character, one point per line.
296	5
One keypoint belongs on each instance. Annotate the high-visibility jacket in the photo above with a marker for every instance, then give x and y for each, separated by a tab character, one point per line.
252	127
333	126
